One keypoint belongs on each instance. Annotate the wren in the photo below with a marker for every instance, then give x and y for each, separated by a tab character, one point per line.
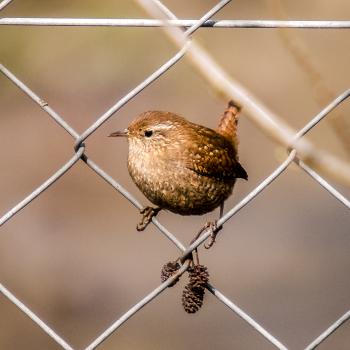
180	166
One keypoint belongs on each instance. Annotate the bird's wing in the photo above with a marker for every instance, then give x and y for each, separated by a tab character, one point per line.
211	154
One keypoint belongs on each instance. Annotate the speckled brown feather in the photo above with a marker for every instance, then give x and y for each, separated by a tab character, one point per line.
181	166
228	124
211	154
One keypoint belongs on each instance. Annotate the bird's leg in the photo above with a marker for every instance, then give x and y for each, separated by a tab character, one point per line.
147	214
214	228
214	231
212	225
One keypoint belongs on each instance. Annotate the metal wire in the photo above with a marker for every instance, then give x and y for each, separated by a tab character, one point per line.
132	311
259	113
323	336
42	187
268	336
35	318
79	154
140	22
4	3
263	185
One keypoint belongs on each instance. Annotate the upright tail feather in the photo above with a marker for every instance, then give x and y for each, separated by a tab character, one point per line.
228	124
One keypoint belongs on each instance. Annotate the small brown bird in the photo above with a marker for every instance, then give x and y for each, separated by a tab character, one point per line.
180	166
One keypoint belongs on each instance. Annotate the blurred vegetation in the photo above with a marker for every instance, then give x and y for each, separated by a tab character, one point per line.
74	256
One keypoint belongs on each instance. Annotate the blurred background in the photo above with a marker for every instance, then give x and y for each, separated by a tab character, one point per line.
74	256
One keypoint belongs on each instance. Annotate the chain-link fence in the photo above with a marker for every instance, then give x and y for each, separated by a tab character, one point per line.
305	155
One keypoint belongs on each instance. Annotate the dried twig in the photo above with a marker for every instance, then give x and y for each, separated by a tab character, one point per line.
265	119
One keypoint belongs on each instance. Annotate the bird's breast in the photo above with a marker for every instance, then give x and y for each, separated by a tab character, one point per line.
168	183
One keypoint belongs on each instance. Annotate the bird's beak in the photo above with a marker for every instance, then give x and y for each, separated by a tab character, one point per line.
119	133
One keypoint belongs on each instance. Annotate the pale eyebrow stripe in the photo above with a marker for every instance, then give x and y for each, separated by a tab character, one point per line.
164	126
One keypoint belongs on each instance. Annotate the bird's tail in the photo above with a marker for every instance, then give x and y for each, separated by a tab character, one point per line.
228	123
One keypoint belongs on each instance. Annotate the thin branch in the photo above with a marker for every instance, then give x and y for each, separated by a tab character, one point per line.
300	52
266	120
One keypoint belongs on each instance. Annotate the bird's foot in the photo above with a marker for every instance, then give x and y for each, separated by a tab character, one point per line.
147	214
214	228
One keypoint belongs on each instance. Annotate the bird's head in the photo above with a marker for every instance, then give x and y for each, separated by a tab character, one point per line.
152	130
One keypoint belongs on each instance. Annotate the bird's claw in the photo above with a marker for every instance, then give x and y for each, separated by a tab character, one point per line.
147	214
214	228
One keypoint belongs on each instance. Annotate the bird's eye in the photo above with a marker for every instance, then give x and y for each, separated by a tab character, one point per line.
148	133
